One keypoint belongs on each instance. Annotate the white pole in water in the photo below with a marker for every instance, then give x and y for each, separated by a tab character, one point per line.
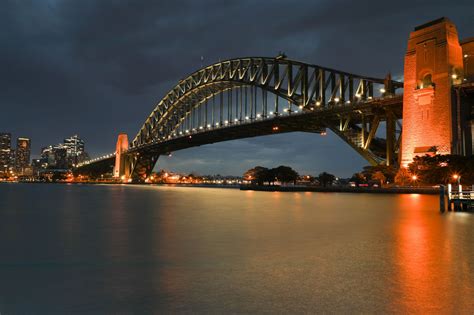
450	189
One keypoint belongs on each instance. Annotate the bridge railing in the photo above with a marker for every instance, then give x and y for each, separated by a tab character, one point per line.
95	160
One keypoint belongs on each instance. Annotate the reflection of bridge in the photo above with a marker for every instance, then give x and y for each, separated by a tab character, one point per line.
256	96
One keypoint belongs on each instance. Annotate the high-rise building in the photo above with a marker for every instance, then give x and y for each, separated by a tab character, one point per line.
22	154
5	152
75	150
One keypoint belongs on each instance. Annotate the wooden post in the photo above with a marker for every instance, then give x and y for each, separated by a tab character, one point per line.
442	205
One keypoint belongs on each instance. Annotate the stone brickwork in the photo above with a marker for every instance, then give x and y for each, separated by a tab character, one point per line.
433	63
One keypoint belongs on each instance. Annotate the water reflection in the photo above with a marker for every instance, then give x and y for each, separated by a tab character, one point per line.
427	259
131	249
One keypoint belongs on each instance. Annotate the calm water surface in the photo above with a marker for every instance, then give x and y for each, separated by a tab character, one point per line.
131	249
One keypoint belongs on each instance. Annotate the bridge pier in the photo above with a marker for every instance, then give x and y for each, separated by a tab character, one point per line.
121	169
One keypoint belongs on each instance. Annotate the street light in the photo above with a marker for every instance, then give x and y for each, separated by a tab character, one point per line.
457	178
414	179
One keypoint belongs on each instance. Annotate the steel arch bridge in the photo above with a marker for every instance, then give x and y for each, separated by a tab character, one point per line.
253	96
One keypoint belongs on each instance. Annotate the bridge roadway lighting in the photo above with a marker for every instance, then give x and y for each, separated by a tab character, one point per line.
336	99
382	90
208	126
247	118
271	113
318	103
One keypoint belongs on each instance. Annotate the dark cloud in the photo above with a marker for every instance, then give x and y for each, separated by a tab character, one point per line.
97	68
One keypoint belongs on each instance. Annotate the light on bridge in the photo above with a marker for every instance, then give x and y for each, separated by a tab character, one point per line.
247	118
271	113
301	106
226	122
336	99
454	76
382	90
208	126
318	103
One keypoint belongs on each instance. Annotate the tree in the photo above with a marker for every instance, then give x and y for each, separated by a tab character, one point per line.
403	177
326	179
358	178
388	171
257	175
380	177
284	174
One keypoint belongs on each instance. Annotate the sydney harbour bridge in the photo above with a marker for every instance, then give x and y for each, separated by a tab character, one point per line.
256	96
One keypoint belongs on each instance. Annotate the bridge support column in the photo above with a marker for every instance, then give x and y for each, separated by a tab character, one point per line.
391	137
433	64
121	169
141	166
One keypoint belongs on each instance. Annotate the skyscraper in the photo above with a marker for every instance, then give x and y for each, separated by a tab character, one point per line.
75	150
5	152
23	151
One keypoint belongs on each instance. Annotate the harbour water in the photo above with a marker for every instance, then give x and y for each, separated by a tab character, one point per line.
146	249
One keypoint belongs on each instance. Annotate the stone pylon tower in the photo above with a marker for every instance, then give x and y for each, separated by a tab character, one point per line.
120	168
433	64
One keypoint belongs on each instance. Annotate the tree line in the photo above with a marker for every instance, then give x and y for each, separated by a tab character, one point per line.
260	175
424	170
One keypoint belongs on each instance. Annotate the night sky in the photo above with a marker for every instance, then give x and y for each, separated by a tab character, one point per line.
97	68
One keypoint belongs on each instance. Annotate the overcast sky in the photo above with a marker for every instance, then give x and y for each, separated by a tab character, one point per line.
97	68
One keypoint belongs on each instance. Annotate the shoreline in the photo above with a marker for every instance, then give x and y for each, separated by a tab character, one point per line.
379	190
370	190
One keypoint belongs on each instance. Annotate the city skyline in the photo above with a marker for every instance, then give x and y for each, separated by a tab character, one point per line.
109	82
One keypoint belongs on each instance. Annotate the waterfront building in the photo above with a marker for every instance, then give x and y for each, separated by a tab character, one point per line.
60	157
64	155
5	152
22	154
75	150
